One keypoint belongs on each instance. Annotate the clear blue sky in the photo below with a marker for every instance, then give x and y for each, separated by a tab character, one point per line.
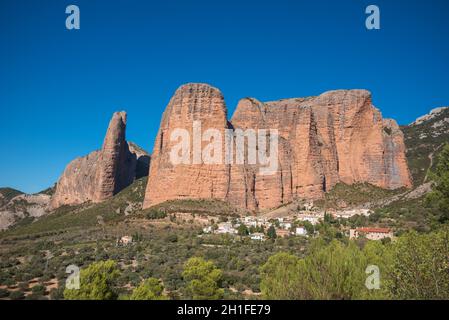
58	88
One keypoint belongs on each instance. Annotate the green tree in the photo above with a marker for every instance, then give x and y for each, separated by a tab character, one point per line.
150	289
309	227
280	277
271	232
330	271
439	197
420	266
203	279
97	282
38	289
242	230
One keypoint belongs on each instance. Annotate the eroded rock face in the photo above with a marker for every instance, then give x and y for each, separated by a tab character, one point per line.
22	206
116	165
192	102
101	174
338	136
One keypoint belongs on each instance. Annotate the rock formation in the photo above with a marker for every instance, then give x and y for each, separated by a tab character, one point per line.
190	103
338	136
17	207
101	174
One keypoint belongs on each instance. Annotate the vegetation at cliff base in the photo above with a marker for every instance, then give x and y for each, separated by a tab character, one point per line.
414	267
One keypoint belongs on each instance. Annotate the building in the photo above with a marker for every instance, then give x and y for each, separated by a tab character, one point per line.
250	221
371	233
300	231
282	233
308	206
313	219
257	236
207	229
125	240
226	227
285	225
346	214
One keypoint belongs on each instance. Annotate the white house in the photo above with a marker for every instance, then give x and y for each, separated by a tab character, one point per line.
207	229
226	227
350	213
285	225
371	233
313	219
258	236
300	231
308	206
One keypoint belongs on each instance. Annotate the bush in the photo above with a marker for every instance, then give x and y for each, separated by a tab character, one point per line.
4	293
16	295
153	214
172	238
38	289
57	293
150	289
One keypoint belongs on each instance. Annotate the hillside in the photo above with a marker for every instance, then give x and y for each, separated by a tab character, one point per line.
16	206
423	139
86	215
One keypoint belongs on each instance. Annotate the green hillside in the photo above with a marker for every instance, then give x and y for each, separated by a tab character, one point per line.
423	141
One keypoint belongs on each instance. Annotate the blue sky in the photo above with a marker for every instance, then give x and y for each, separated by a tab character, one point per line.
59	88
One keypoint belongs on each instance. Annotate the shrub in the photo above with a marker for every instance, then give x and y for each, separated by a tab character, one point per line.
38	289
150	289
4	293
155	214
16	295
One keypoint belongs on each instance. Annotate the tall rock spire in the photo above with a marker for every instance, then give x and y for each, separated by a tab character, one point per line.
116	165
101	174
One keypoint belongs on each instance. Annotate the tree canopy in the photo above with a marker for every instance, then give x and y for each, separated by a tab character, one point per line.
150	289
413	267
203	279
97	282
439	197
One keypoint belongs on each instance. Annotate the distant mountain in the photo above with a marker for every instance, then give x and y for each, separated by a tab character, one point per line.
17	206
6	194
423	139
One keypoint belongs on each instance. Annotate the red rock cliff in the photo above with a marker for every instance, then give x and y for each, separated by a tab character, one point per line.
338	136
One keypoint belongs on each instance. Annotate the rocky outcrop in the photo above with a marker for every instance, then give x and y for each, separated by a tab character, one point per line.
143	160
194	102
116	165
397	174
101	174
338	136
13	210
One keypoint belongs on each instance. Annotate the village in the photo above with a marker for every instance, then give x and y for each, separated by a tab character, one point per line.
301	223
